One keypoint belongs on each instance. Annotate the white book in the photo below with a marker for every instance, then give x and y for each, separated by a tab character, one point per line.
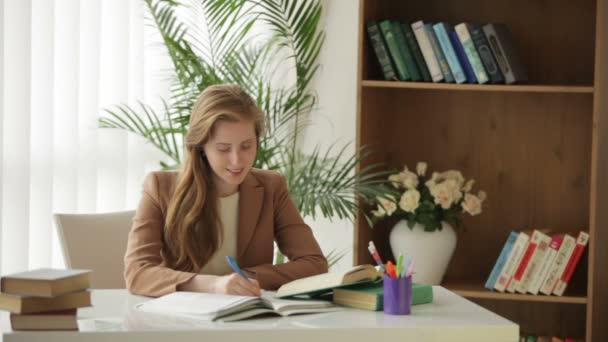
559	264
575	257
512	262
542	246
545	264
427	51
227	308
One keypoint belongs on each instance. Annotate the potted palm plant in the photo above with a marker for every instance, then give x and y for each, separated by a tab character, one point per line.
220	45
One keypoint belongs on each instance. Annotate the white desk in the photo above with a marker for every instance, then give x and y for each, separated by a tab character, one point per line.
449	318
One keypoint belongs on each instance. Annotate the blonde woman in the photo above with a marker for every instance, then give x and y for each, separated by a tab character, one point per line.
218	205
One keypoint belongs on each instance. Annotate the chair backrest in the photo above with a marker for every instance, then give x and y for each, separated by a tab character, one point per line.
97	242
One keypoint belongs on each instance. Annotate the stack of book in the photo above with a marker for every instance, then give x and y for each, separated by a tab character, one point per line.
45	299
440	52
535	262
370	296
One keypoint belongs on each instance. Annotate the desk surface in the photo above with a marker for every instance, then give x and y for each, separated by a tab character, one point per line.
112	317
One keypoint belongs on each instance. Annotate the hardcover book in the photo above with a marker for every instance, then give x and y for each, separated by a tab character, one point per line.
503	47
388	70
28	304
562	282
427	51
323	283
441	31
486	55
501	261
443	63
541	241
512	263
413	45
52	320
394	50
546	264
462	30
559	264
46	282
369	296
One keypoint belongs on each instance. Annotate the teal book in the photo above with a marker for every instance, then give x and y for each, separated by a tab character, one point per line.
443	62
441	31
393	49
369	296
410	63
415	49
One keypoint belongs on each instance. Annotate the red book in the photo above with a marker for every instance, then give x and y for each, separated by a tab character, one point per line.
564	279
523	264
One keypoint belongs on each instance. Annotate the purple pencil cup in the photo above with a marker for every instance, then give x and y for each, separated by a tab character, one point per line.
397	295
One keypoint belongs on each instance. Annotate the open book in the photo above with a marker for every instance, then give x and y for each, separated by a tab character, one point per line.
322	283
227	308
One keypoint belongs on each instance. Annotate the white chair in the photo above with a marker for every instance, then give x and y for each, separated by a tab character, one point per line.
97	242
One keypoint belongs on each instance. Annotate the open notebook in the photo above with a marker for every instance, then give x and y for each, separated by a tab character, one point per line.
227	308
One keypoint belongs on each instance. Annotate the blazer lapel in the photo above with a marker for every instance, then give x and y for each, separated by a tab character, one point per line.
250	204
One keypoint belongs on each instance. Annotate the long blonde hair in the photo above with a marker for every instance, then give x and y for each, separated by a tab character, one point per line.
193	229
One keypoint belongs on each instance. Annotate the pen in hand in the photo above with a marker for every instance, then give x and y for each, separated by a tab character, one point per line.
235	267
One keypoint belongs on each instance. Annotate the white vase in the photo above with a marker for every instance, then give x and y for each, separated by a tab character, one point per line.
431	251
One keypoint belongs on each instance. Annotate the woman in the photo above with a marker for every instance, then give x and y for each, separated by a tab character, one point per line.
218	205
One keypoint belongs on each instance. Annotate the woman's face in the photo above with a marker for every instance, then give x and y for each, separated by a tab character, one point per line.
231	152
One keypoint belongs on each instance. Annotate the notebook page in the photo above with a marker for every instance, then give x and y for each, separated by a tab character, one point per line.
202	305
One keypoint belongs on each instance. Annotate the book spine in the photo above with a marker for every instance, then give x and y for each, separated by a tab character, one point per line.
545	264
410	64
469	48
485	53
500	262
413	45
443	63
562	283
501	43
537	257
523	264
559	264
393	49
441	31
512	262
380	49
427	51
462	57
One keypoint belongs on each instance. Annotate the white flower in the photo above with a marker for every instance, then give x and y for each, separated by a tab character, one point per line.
443	194
433	181
379	212
387	204
454	189
410	200
468	186
410	179
421	168
453	174
471	204
396	179
482	195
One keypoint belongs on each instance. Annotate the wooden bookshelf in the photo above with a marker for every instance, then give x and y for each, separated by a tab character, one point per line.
540	150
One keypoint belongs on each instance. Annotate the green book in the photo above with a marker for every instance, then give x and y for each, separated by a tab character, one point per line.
369	296
394	50
410	63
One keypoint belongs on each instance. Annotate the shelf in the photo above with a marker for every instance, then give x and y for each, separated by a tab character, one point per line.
478	291
578	89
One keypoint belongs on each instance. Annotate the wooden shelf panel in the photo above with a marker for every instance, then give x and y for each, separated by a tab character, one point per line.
527	88
478	291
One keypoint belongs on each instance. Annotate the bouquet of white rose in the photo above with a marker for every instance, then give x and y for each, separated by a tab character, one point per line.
443	197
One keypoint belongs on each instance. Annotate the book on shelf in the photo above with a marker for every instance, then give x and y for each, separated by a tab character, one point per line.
501	261
443	63
485	54
462	57
228	308
370	296
539	244
379	46
442	31
503	47
51	320
545	264
386	28
413	45
464	35
323	283
427	50
564	279
410	62
45	282
517	252
559	264
21	304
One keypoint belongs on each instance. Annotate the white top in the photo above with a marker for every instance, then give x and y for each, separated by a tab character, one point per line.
114	317
229	213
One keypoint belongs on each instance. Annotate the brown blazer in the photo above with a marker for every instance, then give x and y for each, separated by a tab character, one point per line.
266	214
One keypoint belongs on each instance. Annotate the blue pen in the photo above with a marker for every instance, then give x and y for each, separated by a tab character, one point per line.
236	267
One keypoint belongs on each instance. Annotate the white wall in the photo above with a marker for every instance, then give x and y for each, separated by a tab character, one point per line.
335	119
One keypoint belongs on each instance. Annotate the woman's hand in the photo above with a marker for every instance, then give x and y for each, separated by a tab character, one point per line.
234	284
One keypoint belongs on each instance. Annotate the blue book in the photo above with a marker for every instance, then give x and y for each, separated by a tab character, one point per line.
441	31
500	262
443	63
462	57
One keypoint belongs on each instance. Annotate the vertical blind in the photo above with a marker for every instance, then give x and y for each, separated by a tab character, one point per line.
61	63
